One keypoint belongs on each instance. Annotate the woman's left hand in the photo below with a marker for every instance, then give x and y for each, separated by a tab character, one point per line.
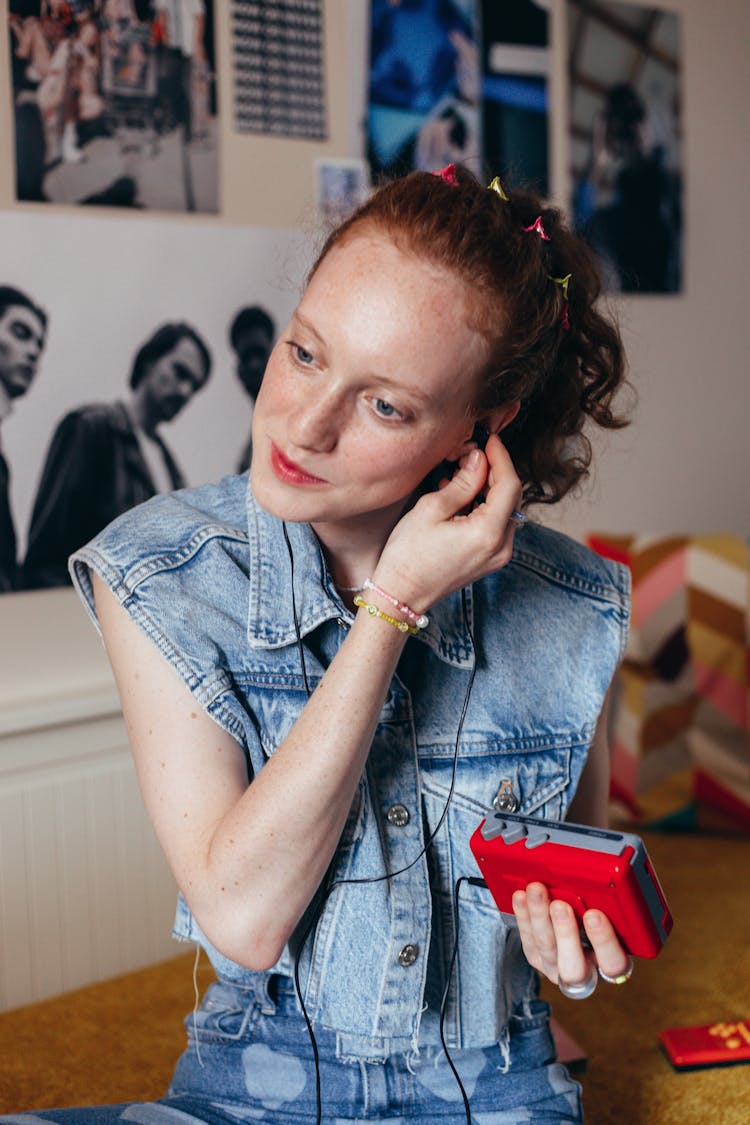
551	938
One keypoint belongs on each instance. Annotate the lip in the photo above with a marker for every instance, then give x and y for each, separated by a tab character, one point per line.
288	471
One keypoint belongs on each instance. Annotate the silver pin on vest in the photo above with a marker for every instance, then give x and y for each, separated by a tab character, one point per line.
505	799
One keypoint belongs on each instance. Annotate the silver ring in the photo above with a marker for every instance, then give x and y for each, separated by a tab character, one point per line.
518	519
621	978
581	990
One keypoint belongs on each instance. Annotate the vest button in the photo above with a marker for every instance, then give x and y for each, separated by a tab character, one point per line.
408	955
398	815
505	799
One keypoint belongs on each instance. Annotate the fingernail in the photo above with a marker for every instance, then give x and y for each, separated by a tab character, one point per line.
472	461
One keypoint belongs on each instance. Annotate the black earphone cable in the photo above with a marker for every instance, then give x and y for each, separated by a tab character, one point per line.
330	887
474	882
298	635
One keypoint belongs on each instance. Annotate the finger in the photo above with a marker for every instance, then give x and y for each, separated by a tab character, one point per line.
525	931
464	486
504	490
609	953
542	932
572	962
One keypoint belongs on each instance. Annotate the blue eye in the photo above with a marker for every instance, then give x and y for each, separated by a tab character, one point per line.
384	409
303	355
300	355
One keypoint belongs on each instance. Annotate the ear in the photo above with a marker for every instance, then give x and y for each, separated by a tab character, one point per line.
499	419
492	423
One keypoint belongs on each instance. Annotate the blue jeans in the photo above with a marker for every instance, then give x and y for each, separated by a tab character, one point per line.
250	1059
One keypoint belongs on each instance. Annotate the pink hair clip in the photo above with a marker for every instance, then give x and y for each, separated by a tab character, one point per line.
537	226
448	175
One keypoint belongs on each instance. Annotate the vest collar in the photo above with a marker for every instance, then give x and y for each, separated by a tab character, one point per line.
270	619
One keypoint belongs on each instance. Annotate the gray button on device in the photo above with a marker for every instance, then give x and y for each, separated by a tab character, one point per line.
514	832
398	815
408	955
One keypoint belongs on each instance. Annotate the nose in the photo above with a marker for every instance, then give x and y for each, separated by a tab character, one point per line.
316	422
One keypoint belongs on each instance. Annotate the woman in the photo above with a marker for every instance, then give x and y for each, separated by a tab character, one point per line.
313	752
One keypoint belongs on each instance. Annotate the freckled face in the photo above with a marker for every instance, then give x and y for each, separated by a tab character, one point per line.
370	387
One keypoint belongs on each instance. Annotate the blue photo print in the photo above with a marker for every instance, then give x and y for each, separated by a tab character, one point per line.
424	85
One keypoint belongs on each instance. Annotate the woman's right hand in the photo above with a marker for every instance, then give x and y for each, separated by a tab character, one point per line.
447	540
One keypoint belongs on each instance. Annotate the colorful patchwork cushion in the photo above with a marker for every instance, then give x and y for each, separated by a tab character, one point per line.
681	716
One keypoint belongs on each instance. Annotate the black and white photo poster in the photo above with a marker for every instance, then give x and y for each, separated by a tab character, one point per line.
130	356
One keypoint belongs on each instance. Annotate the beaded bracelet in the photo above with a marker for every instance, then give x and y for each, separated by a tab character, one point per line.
419	620
374	611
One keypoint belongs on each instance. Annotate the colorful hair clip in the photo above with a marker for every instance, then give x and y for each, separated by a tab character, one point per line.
563	282
497	187
448	175
537	226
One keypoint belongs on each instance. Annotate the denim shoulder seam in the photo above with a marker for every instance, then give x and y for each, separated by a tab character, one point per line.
607	591
176	557
207	691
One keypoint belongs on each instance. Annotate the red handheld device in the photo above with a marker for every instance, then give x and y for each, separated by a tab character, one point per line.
585	867
714	1044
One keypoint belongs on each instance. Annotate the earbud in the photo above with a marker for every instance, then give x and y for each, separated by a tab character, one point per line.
480	436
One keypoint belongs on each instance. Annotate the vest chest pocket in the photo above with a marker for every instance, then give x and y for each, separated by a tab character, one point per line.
530	783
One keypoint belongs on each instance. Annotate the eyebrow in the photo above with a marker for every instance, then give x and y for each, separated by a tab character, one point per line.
412	392
297	315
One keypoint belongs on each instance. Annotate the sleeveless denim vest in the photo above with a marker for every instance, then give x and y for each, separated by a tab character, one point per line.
206	574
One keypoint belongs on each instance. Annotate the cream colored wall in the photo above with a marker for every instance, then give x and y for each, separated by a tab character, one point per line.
685	462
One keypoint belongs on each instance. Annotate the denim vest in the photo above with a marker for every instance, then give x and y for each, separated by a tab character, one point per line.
206	574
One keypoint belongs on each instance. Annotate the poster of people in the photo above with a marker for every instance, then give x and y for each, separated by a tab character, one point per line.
114	102
459	81
625	131
105	403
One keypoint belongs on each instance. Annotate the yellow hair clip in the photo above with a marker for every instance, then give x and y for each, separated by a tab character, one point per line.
563	282
497	187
